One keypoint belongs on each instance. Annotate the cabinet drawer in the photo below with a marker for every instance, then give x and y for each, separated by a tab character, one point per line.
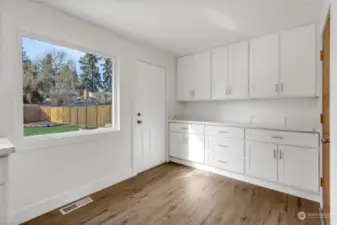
283	137
228	132
225	145
3	170
187	128
225	161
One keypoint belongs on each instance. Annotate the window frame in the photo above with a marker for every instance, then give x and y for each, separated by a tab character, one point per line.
28	142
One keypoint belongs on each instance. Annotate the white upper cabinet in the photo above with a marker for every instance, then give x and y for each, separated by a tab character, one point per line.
280	65
202	76
298	62
230	67
185	71
220	73
194	77
238	70
264	67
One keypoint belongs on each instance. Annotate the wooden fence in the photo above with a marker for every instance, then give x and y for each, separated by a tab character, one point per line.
93	116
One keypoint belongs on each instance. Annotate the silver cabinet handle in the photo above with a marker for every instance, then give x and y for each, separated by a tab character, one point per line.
274	154
229	91
276	87
280	154
223	162
277	137
281	87
223	132
223	146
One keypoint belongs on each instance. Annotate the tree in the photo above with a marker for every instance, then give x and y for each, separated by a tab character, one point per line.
107	74
52	77
52	64
33	83
91	78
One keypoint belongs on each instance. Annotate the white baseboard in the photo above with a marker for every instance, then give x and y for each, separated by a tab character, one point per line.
241	177
47	205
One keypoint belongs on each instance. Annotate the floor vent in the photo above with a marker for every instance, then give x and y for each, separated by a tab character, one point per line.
76	205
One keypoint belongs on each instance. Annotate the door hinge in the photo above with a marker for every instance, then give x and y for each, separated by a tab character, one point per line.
322	55
322	181
322	117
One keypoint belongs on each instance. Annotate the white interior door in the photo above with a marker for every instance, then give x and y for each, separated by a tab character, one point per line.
149	117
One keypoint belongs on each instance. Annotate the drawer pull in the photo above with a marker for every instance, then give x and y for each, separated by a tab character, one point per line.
277	137
223	132
223	162
223	146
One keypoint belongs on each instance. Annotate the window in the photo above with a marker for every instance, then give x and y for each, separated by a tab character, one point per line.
65	89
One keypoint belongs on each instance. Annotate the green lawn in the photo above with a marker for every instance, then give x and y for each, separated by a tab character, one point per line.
30	131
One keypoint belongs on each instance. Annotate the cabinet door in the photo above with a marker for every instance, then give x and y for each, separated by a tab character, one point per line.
238	70
202	76
3	204
298	62
185	66
298	167
261	160
187	146
220	72
264	67
176	145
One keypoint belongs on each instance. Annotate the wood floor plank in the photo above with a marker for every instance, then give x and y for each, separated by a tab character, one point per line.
176	194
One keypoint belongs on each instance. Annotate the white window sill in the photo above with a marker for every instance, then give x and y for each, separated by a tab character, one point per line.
58	139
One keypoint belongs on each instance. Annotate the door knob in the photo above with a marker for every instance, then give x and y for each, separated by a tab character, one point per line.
139	121
325	140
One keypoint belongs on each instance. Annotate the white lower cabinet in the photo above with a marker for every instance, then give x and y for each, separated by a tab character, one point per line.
285	160
190	147
261	160
225	153
3	204
298	167
225	161
292	166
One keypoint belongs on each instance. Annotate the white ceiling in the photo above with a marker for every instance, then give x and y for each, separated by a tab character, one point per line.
186	26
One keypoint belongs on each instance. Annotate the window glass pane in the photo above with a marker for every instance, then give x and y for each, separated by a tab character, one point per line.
65	89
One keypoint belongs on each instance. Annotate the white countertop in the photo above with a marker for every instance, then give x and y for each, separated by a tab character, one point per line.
6	147
265	126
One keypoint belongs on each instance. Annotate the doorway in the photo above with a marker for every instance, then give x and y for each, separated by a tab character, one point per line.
326	121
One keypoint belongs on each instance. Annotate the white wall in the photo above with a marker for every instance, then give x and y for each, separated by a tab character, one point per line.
44	177
269	110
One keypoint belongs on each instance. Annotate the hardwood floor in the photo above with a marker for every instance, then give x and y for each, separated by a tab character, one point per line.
175	194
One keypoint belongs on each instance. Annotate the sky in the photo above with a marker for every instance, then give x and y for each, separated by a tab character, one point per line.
35	49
